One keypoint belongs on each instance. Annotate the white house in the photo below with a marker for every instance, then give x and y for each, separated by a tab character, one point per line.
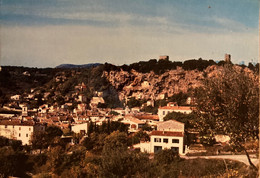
169	135
96	100
133	123
173	107
120	111
19	130
80	128
16	97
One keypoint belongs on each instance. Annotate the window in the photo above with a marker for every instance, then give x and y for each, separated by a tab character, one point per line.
19	128
175	149
157	148
13	126
163	112
5	126
175	140
29	129
26	135
165	140
157	140
19	135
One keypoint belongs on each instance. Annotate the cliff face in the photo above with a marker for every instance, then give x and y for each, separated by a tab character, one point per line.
151	86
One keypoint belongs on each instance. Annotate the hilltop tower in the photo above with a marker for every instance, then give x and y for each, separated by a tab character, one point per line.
228	58
165	57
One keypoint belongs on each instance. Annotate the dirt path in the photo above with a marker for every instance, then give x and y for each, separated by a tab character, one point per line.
241	158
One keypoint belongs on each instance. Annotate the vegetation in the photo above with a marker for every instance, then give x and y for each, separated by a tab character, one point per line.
109	156
229	104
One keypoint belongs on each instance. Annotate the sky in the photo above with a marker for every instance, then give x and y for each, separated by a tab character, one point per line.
46	33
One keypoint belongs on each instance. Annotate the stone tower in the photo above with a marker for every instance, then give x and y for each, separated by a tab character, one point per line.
227	58
25	110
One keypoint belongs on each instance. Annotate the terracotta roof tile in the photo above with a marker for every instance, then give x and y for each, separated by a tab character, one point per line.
167	133
177	107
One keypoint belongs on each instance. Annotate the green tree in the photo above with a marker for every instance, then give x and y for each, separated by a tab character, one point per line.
229	104
118	161
133	103
13	163
41	140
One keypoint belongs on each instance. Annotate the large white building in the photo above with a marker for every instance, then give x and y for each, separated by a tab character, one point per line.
80	128
173	107
19	130
169	135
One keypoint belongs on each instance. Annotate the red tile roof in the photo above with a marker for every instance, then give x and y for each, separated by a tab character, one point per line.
167	133
17	122
150	117
177	107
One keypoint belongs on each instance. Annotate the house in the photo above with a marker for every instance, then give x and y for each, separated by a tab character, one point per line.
96	100
80	128
150	103
43	108
82	98
169	135
82	107
133	123
16	97
120	111
173	107
135	110
150	119
20	130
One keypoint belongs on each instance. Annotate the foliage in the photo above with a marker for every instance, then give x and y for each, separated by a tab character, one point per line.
41	140
107	127
16	145
117	161
132	102
180	98
229	104
188	119
114	113
150	109
94	142
13	163
166	157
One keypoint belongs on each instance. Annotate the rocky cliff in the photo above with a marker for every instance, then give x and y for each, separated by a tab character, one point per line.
151	86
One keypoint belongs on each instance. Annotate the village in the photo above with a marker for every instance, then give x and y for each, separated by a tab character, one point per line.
163	135
145	113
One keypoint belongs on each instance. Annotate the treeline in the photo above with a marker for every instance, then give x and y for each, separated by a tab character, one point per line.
110	157
161	66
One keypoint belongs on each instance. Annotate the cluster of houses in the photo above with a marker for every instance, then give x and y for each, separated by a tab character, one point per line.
165	134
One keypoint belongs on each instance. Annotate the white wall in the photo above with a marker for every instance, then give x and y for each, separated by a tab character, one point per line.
20	132
167	145
77	128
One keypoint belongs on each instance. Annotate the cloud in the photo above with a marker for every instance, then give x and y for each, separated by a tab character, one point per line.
49	46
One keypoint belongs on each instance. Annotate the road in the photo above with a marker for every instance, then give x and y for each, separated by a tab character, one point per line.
241	158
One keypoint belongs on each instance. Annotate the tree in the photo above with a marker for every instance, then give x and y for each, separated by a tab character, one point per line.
13	163
41	140
229	104
118	161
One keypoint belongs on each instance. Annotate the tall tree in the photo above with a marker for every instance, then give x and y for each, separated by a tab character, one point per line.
229	104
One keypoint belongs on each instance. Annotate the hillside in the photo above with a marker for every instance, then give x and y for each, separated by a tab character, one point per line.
150	80
71	66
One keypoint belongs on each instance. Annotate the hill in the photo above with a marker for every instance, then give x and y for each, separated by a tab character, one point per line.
145	80
71	66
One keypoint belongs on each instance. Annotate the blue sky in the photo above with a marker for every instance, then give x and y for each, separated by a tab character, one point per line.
46	33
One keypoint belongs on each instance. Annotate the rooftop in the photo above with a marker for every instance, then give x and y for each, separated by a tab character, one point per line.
167	133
